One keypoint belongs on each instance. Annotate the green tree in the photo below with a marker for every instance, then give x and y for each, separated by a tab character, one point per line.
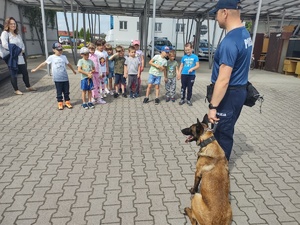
248	26
88	35
34	16
81	33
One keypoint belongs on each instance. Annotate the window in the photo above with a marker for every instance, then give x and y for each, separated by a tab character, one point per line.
179	27
157	27
123	25
138	26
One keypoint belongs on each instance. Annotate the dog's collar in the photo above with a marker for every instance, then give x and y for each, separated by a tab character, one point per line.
206	142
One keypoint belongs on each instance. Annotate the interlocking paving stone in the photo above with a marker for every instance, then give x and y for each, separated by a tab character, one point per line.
126	162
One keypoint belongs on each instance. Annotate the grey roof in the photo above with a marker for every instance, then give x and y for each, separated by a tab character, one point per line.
174	8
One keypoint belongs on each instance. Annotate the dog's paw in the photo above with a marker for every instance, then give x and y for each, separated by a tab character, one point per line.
192	191
185	211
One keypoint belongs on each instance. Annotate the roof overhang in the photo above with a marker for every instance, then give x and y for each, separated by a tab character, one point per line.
274	9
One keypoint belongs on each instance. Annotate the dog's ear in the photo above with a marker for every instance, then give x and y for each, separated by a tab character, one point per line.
205	119
199	127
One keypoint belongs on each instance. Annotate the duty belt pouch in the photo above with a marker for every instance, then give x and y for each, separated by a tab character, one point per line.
209	92
253	96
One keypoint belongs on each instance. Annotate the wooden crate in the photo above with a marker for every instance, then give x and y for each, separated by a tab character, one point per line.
297	71
265	45
289	66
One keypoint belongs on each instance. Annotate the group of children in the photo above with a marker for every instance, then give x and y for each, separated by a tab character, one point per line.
160	66
99	65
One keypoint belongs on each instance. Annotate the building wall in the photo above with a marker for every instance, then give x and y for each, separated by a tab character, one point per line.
274	26
32	45
124	37
168	29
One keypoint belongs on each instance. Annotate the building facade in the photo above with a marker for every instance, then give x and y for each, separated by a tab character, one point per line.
125	29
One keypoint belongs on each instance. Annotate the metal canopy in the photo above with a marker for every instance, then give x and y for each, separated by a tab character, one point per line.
274	9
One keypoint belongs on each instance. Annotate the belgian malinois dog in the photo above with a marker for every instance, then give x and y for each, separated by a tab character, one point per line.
211	206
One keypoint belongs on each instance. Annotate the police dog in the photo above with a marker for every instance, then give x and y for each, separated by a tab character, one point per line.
211	206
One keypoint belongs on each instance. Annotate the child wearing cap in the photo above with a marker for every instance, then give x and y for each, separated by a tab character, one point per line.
158	68
187	73
110	76
139	53
59	75
119	61
132	71
86	68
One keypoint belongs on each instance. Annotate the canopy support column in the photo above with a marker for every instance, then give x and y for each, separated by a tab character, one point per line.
45	33
256	24
153	27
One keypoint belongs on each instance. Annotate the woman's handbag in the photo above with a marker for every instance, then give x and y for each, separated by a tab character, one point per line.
4	53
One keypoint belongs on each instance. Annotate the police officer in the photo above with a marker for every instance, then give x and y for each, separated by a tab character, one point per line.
230	72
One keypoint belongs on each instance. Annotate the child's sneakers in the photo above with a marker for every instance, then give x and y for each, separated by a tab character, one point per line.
181	102
156	101
124	95
68	105
91	105
116	94
168	99
173	99
60	105
189	103
132	95
146	100
101	101
85	106
111	92
106	91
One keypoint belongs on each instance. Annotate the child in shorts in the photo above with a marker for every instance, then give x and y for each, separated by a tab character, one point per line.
86	68
157	70
119	60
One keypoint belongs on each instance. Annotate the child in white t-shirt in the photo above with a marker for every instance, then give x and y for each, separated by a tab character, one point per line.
59	75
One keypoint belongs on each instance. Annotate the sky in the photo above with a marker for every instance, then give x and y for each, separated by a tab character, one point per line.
104	22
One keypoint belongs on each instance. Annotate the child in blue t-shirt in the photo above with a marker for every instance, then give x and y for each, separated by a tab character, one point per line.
187	73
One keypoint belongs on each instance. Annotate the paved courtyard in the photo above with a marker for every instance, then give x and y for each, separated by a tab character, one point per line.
127	163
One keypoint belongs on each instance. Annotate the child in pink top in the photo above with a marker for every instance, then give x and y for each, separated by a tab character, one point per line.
96	78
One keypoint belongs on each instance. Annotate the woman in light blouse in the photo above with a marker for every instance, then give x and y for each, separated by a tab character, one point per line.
10	36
